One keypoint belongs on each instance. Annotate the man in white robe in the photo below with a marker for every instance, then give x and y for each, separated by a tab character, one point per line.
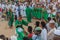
13	8
16	11
53	28
3	6
22	10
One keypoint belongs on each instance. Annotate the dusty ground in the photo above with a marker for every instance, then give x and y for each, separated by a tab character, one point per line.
5	30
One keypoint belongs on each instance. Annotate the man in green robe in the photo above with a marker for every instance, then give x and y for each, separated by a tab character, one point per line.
34	12
28	13
44	14
11	18
21	22
19	26
39	13
7	13
20	32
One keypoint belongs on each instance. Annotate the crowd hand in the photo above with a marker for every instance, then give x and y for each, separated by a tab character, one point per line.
49	33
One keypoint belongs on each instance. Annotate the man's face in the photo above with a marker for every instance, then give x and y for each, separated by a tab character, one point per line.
20	18
58	14
52	25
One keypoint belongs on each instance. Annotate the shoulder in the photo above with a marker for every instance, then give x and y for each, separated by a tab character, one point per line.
44	30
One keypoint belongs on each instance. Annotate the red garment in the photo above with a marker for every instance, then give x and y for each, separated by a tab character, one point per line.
30	35
0	9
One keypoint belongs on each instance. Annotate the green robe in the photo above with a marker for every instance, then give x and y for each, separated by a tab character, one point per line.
23	22
33	13
21	35
39	13
28	14
45	15
8	14
11	19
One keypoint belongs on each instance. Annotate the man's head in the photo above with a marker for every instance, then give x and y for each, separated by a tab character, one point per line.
49	18
52	23
20	17
37	23
38	30
43	24
29	29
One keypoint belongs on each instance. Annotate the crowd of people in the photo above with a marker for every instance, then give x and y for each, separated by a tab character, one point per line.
48	14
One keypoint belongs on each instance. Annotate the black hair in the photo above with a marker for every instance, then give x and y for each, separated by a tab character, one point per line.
29	29
19	26
2	37
54	19
37	23
43	24
20	16
15	17
49	18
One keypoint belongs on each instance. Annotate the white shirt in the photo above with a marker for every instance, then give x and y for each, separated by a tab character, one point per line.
10	5
16	11
44	34
13	8
49	11
7	6
51	34
48	27
36	37
16	8
22	10
3	6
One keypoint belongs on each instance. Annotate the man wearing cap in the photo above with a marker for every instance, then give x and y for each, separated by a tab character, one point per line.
53	28
28	13
37	35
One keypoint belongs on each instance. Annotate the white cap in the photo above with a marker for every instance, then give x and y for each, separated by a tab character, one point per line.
52	21
38	28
